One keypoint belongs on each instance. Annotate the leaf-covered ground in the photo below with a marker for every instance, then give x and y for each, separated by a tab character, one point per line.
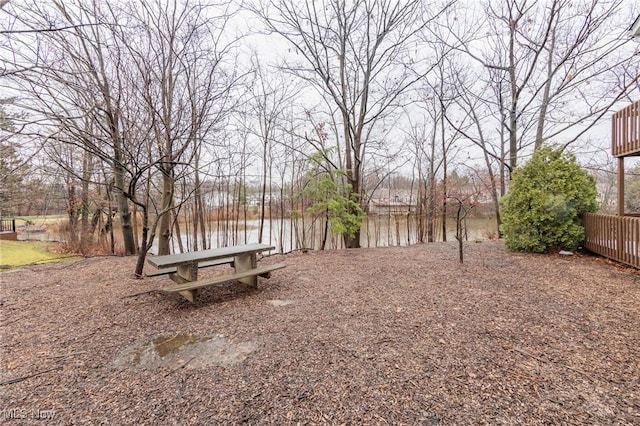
368	336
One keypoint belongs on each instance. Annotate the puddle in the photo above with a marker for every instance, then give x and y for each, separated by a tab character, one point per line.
277	302
187	350
166	345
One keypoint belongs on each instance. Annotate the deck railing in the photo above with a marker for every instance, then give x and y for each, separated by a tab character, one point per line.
615	237
625	131
7	225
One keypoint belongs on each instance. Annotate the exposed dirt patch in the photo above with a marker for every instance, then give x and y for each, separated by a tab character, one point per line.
373	336
181	351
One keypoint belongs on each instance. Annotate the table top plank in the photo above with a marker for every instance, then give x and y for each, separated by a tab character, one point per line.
176	259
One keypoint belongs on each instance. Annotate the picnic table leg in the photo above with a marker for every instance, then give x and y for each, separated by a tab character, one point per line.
245	262
186	273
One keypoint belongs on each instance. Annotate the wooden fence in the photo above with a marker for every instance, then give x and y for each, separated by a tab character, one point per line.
615	237
7	225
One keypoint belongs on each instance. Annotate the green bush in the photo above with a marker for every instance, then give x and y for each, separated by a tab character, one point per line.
344	214
547	196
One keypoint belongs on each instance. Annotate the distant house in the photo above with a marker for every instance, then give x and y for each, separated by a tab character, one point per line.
386	201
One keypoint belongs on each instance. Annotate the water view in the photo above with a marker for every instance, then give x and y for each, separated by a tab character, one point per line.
286	234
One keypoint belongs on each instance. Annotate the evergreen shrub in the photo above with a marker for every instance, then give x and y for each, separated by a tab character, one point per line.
546	199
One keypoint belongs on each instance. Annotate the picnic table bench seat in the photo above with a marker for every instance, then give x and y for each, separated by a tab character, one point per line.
186	289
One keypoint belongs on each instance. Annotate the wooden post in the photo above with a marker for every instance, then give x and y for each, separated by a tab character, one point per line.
620	186
620	222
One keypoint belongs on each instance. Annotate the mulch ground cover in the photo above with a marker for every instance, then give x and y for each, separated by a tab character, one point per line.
400	335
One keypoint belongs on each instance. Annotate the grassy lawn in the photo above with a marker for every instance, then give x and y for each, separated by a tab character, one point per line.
14	254
39	219
43	218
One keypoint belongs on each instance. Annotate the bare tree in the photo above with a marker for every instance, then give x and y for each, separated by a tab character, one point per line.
356	54
556	64
72	82
428	161
141	89
179	57
474	112
465	200
271	96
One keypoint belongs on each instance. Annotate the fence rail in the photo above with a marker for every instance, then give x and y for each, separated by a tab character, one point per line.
615	237
7	225
625	131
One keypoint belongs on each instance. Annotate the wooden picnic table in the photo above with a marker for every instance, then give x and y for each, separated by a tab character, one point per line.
182	268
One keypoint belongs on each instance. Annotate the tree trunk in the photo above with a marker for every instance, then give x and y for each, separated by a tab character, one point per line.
123	210
459	219
165	221
544	106
201	212
71	212
444	174
444	203
178	233
263	198
145	246
325	231
85	235
513	109
431	209
134	222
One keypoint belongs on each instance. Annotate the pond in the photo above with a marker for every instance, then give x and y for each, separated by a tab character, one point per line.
293	234
379	231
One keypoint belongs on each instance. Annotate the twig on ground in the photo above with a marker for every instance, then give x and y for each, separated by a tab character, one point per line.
140	294
20	379
10	322
67	355
523	352
179	367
